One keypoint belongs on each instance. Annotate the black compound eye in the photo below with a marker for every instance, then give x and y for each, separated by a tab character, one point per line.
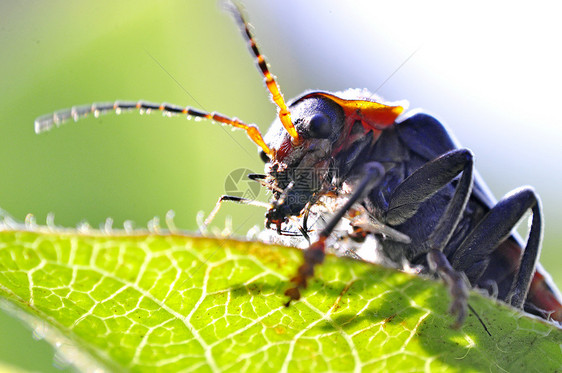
320	126
264	157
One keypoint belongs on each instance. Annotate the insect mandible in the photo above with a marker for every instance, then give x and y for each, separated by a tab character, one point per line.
396	176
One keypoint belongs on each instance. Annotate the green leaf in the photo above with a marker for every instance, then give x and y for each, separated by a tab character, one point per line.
145	301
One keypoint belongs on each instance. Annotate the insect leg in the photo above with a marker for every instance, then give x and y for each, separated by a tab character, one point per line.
315	253
261	178
422	184
417	188
240	200
456	282
472	255
365	224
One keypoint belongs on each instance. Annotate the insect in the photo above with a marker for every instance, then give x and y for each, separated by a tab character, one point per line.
394	176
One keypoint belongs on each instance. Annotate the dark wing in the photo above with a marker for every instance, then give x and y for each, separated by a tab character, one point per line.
429	138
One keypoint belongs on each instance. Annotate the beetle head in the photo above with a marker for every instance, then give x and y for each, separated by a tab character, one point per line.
326	124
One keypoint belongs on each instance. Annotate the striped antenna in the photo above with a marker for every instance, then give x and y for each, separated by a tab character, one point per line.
46	122
270	82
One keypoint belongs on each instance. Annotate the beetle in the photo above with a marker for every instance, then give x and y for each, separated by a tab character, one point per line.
395	176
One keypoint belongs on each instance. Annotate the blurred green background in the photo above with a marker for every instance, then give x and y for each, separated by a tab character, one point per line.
57	54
